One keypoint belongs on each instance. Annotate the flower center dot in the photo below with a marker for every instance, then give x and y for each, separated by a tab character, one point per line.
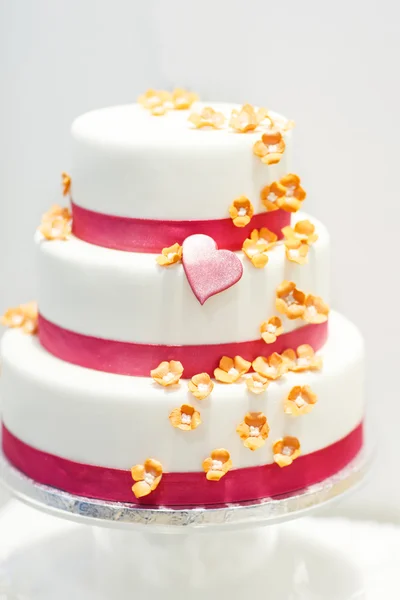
287	451
294	253
149	478
217	465
312	311
254	431
186	419
290	190
258	384
271	371
272	197
299	401
289	299
17	319
242	212
233	371
303	361
168	377
203	387
271	328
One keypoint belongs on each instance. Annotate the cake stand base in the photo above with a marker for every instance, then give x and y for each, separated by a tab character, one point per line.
44	558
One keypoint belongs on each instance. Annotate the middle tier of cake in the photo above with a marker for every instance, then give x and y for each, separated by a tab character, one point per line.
128	297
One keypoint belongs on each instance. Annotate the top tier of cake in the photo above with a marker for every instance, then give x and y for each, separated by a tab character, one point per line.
128	163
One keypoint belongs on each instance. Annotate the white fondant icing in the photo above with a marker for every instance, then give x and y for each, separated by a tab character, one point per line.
127	162
128	297
117	421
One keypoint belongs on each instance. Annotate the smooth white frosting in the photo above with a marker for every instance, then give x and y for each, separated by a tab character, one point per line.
127	162
128	297
117	421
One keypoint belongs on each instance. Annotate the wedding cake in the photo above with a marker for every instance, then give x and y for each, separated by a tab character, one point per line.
181	351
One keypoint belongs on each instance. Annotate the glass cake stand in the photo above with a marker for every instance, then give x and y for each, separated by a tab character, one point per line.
222	552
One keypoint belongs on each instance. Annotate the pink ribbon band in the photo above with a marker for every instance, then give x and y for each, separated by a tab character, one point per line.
126	358
151	235
183	489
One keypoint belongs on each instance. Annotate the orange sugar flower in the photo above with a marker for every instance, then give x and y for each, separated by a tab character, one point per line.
66	183
253	430
56	223
271	194
231	369
170	256
270	148
294	195
316	311
247	118
272	367
289	300
271	329
304	359
256	383
24	316
147	477
208	117
201	386
241	211
56	229
296	251
167	373
183	99
218	464
257	246
156	101
286	450
185	418
303	231
299	401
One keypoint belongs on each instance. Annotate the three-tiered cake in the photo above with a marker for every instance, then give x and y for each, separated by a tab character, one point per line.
181	355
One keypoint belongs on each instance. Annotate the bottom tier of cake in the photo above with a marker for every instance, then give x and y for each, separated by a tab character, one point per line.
81	430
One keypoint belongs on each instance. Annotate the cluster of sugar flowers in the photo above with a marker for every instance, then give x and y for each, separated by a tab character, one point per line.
298	240
24	317
286	194
56	223
295	304
158	102
256	247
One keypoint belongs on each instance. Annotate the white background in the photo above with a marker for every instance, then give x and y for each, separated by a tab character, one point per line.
331	66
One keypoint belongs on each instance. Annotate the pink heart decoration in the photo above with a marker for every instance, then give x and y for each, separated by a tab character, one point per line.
209	271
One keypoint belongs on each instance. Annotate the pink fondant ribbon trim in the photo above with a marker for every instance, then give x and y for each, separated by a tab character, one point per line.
125	358
151	235
182	489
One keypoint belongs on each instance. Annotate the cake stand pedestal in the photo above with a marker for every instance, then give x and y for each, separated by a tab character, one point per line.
128	552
